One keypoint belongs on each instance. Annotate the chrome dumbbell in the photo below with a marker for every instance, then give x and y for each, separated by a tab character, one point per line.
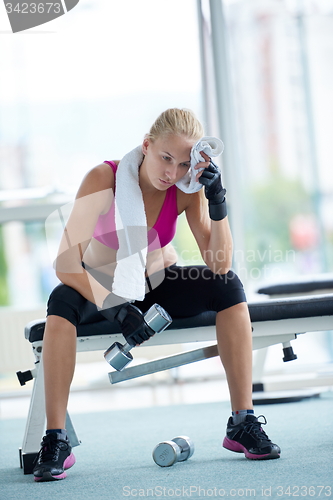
118	355
169	452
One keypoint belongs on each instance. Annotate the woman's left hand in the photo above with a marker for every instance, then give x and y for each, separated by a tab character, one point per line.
202	165
210	177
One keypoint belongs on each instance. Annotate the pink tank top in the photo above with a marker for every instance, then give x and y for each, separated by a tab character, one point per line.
164	227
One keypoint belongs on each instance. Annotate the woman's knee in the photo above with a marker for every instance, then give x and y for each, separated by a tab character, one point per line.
65	293
67	303
238	310
59	324
236	317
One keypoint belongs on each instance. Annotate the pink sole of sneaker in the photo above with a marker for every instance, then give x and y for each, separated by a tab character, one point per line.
231	445
47	476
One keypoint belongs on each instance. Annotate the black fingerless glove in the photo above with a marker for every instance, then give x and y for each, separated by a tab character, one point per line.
131	320
214	191
133	325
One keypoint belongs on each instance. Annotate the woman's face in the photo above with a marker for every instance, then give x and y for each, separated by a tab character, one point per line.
167	159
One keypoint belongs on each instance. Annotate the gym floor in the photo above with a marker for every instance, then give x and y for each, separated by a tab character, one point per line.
120	425
115	457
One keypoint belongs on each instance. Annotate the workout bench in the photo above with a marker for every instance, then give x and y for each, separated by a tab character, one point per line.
273	322
306	285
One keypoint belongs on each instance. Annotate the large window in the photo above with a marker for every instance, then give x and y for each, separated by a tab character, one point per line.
280	58
79	90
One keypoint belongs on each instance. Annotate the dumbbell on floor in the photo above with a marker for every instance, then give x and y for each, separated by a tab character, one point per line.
169	452
156	319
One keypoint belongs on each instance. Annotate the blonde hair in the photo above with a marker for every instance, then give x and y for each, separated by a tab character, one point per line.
176	121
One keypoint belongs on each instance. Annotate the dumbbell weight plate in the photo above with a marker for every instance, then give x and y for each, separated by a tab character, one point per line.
166	453
186	446
116	357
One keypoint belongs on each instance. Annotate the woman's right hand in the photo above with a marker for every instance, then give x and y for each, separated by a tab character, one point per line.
133	325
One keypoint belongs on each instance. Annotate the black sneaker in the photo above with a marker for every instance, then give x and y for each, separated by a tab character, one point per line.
248	437
53	458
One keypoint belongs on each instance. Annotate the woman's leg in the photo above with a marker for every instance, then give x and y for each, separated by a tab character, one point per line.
234	338
59	353
190	290
59	356
66	309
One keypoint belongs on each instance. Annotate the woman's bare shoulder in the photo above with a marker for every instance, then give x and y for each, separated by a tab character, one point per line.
98	178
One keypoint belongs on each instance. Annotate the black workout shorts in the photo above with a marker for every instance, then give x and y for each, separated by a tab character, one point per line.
183	291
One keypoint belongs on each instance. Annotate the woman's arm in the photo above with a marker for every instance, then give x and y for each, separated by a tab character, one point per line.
213	237
207	217
94	197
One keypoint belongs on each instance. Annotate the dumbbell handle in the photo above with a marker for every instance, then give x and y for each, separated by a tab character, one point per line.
156	319
126	348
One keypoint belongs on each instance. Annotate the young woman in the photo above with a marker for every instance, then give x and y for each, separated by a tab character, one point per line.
86	265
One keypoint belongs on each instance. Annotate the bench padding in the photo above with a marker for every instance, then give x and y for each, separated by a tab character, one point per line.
269	310
299	287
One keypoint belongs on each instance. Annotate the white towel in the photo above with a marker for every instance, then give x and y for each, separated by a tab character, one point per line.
131	225
212	146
